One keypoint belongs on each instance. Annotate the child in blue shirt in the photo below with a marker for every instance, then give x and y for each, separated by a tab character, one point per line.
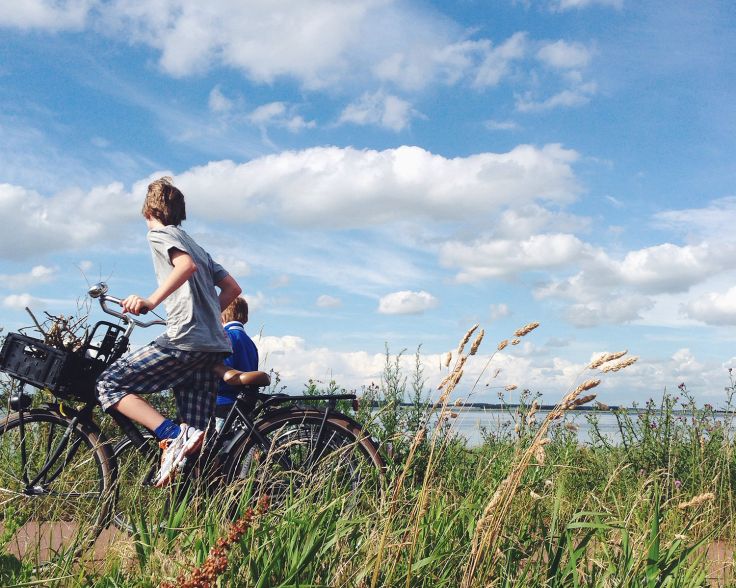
245	352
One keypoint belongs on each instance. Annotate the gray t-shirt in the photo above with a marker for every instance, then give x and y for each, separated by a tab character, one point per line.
193	310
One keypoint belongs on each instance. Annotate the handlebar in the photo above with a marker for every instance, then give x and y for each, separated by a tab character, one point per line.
99	291
124	316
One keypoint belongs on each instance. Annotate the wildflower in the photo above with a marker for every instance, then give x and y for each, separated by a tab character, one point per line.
678	484
682	386
653	425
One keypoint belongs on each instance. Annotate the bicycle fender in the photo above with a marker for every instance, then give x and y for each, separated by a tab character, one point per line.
67	411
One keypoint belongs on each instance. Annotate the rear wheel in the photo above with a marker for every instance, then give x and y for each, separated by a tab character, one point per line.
55	485
302	453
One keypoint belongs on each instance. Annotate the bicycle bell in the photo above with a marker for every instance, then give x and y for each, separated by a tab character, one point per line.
97	290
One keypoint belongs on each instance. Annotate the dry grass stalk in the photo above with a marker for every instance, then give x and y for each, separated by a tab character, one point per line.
605	358
584	400
697	500
476	343
466	338
503	344
526	329
448	359
619	365
447	385
490	524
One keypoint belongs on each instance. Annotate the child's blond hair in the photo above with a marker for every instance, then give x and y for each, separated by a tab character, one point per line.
237	310
164	202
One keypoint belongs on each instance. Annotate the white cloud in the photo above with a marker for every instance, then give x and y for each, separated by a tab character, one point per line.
21	301
713	308
714	221
612	290
327	301
568	98
407	302
279	114
331	187
46	14
39	274
233	263
218	102
563	55
35	223
380	109
490	258
497	61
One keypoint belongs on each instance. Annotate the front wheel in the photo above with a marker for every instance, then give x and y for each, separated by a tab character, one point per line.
55	485
300	451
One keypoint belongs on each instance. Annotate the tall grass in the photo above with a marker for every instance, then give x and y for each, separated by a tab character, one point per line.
530	506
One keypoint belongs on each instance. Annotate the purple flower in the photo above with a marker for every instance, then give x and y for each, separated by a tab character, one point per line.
653	425
678	484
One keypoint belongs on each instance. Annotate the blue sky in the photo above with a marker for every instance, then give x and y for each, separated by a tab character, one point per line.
391	172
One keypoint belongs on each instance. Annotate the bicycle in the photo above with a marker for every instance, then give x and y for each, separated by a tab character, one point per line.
60	476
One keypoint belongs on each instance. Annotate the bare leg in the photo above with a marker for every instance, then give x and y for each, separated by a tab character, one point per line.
136	408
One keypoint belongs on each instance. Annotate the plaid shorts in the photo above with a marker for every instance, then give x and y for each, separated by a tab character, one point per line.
153	369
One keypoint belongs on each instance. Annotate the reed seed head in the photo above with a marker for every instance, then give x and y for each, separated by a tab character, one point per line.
584	399
525	330
476	343
448	359
539	455
697	500
466	338
503	344
606	357
510	387
619	365
516	341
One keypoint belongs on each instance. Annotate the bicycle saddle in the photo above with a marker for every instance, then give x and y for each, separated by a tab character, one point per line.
238	378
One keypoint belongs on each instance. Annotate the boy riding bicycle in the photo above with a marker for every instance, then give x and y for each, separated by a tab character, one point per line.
194	342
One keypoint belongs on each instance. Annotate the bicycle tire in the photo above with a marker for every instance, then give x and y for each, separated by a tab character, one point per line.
343	460
65	510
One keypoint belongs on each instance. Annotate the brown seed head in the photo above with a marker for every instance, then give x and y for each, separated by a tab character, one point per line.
619	365
448	359
510	387
601	359
503	344
466	338
516	341
697	500
476	343
526	329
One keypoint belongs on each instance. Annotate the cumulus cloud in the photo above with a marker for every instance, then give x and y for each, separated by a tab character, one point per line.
53	15
609	290
327	301
714	221
39	274
492	258
714	308
34	223
21	301
380	109
345	187
407	302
